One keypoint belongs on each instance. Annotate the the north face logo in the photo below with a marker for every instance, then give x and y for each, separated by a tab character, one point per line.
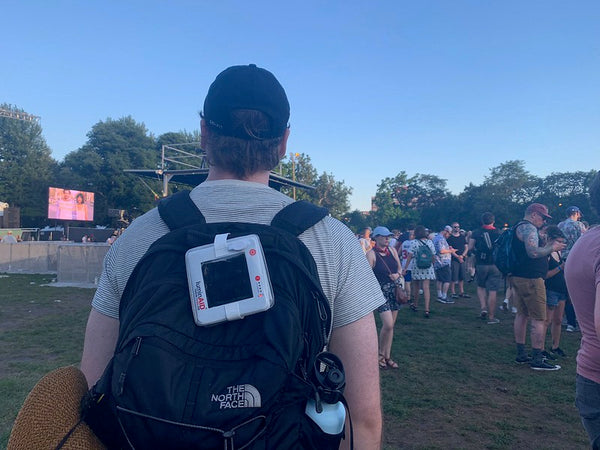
239	396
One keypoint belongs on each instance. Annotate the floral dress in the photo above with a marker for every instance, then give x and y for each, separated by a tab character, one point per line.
421	274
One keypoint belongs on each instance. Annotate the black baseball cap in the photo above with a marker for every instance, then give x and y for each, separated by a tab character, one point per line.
246	87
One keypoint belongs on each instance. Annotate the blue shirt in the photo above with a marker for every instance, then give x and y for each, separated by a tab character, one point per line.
440	243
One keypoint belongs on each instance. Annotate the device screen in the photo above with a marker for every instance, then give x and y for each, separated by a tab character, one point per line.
226	280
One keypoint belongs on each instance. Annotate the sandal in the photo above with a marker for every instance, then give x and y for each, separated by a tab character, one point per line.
391	363
382	362
413	307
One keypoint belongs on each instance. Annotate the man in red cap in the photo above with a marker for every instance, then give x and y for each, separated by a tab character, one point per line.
528	285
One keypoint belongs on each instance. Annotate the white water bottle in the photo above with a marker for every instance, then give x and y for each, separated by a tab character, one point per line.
331	420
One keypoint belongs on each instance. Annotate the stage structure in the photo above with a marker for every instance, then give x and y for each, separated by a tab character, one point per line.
186	164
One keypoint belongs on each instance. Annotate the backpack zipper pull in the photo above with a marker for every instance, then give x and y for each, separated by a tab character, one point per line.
135	350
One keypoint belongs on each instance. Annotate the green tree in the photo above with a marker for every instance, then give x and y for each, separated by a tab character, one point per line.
563	189
179	137
393	203
98	166
404	200
505	192
511	181
329	193
356	220
26	168
333	195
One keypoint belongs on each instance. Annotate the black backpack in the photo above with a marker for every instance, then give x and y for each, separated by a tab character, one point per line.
239	384
503	254
484	245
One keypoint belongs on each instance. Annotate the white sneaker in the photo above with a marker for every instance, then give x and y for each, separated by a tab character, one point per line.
513	310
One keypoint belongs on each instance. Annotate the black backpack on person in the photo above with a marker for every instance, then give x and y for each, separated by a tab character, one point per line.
503	254
237	384
484	245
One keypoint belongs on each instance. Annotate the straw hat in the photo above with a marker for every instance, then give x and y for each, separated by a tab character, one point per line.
50	411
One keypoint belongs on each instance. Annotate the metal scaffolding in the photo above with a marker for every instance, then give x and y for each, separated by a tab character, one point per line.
190	167
18	115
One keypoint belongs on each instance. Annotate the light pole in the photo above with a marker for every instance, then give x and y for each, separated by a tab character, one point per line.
293	157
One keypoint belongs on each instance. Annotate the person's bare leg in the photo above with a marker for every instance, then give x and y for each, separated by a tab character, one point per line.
415	297
481	294
491	300
547	322
538	327
520	327
386	334
426	294
556	327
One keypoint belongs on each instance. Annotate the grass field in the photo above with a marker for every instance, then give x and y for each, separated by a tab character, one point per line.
457	386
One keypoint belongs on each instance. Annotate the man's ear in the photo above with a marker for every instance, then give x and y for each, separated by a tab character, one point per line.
283	145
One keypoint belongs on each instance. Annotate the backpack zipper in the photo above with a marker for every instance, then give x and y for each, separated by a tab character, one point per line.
135	350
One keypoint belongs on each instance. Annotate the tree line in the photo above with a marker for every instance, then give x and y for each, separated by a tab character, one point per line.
27	170
403	201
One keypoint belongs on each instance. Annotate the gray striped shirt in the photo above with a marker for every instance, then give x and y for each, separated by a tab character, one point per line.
346	277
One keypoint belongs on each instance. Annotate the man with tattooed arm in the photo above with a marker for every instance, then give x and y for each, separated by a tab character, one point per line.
528	284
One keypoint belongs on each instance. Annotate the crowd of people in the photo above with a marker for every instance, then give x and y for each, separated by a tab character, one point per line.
244	131
554	281
428	263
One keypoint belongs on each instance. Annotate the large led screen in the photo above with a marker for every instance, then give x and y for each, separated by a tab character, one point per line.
68	204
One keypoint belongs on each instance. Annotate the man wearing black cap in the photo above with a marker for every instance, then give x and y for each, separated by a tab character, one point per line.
528	285
244	132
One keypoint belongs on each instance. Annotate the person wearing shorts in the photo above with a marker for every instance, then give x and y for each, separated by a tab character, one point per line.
556	293
487	275
385	263
529	291
458	241
443	273
403	251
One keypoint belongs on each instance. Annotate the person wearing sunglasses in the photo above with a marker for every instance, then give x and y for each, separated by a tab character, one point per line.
528	286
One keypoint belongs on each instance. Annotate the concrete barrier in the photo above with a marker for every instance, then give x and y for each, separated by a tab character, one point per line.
72	263
80	263
29	257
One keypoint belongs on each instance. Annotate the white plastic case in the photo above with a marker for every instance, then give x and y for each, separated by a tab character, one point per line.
228	279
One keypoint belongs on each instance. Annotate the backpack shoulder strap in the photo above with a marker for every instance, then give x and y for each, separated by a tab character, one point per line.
298	217
179	210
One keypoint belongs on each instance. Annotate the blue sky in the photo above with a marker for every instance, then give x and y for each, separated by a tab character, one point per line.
450	88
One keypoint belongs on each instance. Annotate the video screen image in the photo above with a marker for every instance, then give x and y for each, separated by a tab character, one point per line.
69	204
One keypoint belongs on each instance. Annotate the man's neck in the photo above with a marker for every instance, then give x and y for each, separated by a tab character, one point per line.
530	220
214	174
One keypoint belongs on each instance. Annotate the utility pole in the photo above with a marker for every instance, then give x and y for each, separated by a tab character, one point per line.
293	157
